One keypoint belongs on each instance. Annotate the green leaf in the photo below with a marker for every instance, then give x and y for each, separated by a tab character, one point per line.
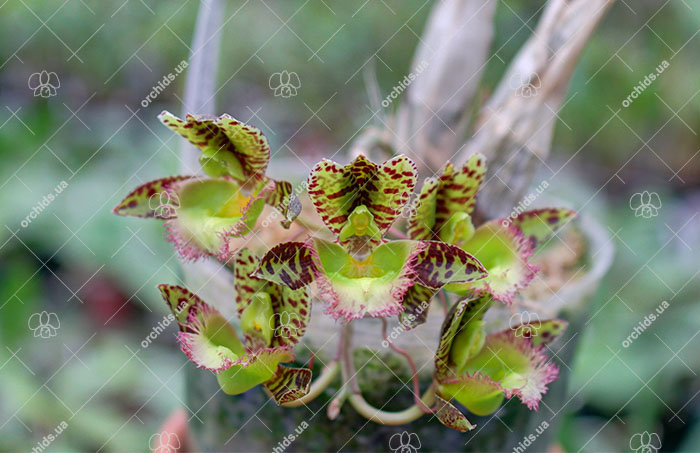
289	384
438	264
450	416
540	224
229	147
459	317
156	198
336	191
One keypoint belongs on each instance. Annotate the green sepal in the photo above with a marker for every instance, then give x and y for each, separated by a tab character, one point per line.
229	147
539	225
253	369
157	198
480	394
453	192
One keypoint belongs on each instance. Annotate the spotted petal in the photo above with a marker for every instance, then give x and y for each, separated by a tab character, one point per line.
292	316
268	311
383	189
520	368
461	315
438	264
289	384
416	303
283	198
540	333
153	199
540	224
291	264
450	416
229	147
454	192
504	253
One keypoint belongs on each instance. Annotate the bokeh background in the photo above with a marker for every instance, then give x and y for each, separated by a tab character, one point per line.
97	272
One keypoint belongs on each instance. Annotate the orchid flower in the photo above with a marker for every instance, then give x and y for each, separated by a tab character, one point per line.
362	274
211	342
503	246
480	370
210	215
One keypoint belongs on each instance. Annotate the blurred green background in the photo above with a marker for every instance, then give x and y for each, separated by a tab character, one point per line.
98	272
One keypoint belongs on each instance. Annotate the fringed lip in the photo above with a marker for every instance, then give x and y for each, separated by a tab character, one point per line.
502	283
540	371
338	306
230	239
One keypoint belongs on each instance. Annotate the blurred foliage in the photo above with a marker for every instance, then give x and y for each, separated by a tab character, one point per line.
98	272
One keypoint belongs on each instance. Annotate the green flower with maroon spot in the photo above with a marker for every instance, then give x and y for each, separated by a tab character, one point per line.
209	216
211	342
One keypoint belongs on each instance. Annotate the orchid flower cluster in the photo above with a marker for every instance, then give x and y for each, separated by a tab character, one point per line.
361	266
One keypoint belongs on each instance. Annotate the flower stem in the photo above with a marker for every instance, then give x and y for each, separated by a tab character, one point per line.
362	406
412	365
